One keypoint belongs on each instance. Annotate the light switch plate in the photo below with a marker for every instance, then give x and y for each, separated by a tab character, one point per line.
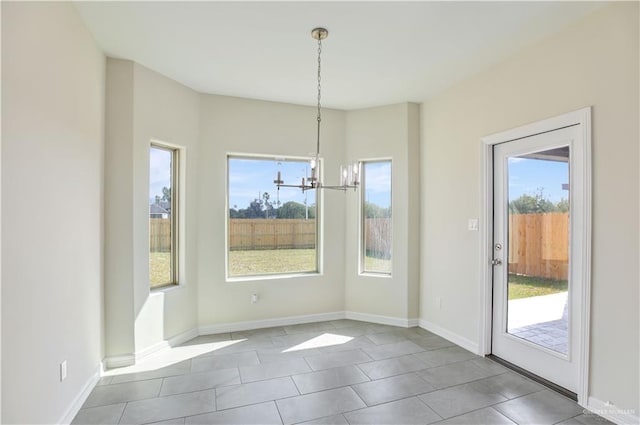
63	371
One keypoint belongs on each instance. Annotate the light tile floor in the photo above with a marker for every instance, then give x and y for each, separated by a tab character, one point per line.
337	372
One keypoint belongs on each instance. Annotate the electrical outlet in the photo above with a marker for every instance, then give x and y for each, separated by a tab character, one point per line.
254	298
473	224
439	302
63	371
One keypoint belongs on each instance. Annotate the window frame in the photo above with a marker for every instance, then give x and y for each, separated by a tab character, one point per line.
318	225
176	158
361	219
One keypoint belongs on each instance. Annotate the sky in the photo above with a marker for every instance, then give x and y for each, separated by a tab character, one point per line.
526	176
378	183
249	178
159	172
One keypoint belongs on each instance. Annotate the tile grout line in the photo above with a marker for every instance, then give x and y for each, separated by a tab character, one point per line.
357	365
123	410
160	389
295	384
430	408
278	410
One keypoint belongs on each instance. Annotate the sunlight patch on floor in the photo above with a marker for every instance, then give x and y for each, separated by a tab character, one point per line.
171	356
324	340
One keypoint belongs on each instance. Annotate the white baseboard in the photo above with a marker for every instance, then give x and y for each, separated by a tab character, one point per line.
82	396
269	323
183	337
128	360
613	413
453	337
119	361
382	320
412	323
158	346
171	342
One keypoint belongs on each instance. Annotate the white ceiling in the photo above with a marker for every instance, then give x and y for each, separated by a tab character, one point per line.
377	52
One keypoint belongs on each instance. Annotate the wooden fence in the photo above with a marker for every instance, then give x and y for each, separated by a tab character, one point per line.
539	245
377	237
160	234
252	234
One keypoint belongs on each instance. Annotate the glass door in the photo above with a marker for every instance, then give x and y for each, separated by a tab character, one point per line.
535	312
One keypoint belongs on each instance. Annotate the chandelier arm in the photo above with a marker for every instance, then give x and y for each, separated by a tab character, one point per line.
341	187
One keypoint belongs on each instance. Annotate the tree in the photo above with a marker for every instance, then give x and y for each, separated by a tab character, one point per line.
254	210
372	210
235	213
536	204
263	208
562	205
166	194
266	204
291	209
312	211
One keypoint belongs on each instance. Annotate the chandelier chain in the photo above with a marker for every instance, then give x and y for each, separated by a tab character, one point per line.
349	175
319	118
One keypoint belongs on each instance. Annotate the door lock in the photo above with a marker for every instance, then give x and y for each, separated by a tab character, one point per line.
496	262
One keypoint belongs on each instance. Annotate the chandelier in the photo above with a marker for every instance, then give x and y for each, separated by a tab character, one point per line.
349	174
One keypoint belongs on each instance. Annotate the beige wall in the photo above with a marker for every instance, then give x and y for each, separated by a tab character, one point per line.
166	112
147	106
233	125
386	132
52	176
118	226
143	106
594	62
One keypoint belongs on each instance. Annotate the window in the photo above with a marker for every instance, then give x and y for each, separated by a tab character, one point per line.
270	231
163	214
376	217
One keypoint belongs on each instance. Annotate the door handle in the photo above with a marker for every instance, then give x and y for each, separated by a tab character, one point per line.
496	262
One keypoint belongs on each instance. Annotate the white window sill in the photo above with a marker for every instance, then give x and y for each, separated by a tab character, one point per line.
254	278
378	275
168	288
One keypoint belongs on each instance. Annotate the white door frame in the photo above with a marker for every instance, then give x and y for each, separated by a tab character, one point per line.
581	117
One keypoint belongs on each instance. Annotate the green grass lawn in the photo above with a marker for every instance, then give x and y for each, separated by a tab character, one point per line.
159	268
528	286
377	265
242	263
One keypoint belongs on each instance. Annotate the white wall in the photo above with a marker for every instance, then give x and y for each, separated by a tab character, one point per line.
167	112
386	132
594	62
144	106
118	226
52	176
233	125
